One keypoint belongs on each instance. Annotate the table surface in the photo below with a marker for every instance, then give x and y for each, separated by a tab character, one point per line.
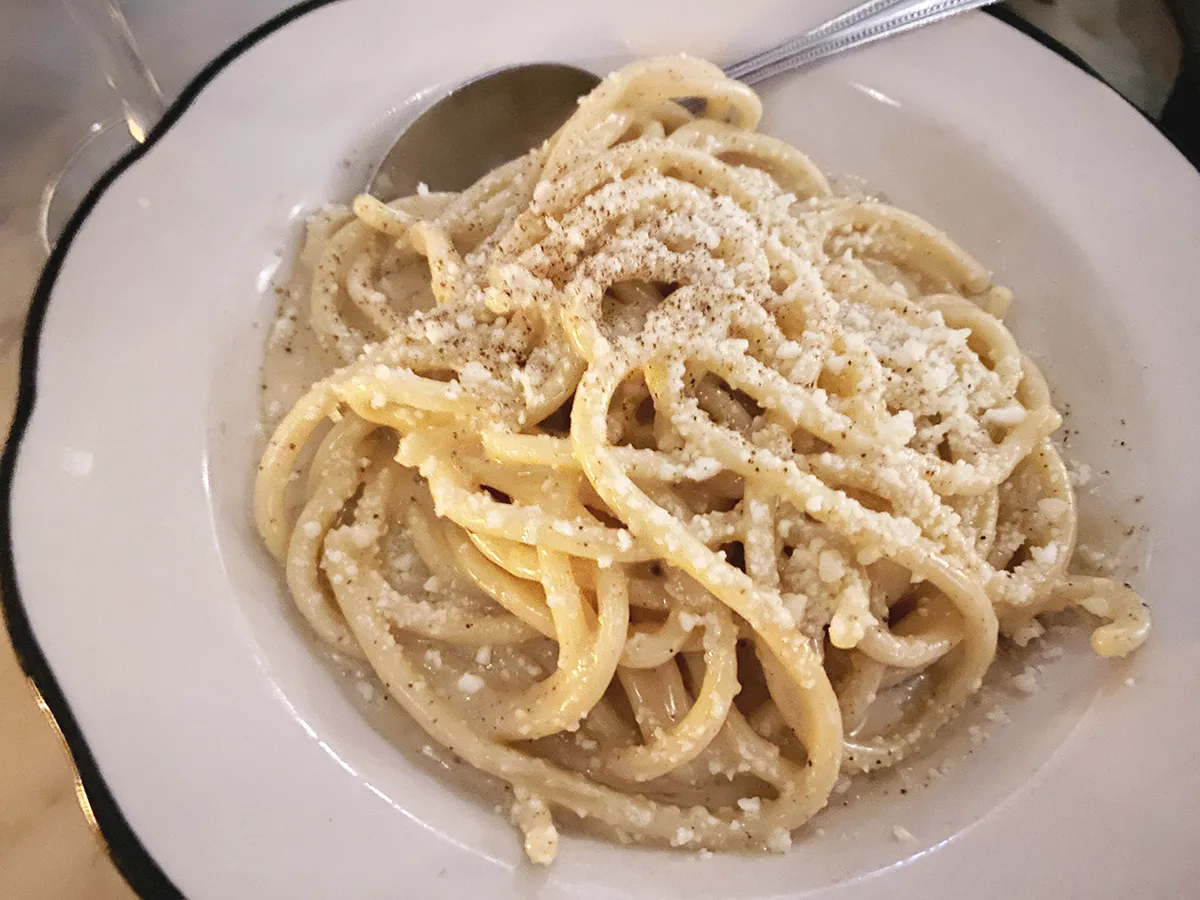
52	93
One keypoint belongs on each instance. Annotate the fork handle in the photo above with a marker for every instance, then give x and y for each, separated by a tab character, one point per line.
867	23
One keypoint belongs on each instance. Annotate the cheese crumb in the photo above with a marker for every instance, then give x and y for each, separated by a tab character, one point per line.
1026	681
1005	415
469	683
1029	631
1053	508
1047	555
830	567
1079	474
683	835
780	841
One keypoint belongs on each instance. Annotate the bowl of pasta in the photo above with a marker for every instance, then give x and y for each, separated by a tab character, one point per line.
765	500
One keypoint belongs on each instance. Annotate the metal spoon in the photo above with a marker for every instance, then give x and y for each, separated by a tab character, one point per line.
500	115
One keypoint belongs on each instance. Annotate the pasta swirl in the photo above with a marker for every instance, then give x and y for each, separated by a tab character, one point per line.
642	470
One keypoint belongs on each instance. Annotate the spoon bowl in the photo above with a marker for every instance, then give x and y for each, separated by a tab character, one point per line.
478	126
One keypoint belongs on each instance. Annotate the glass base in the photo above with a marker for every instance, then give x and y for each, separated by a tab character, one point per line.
106	143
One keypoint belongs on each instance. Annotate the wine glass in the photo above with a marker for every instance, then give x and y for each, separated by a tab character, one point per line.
103	25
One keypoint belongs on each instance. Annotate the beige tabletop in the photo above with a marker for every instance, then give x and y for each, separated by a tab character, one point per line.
49	94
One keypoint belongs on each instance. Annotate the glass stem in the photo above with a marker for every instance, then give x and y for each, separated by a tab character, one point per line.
103	25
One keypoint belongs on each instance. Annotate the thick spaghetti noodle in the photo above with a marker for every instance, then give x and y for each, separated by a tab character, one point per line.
653	465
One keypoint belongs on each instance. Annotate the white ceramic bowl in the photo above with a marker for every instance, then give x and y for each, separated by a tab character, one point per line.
225	760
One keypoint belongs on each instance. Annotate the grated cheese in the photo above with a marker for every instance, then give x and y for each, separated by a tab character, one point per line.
469	683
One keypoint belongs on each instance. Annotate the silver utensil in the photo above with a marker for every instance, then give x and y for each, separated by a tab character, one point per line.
500	115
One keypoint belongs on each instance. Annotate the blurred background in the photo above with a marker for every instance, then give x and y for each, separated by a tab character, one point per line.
52	93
